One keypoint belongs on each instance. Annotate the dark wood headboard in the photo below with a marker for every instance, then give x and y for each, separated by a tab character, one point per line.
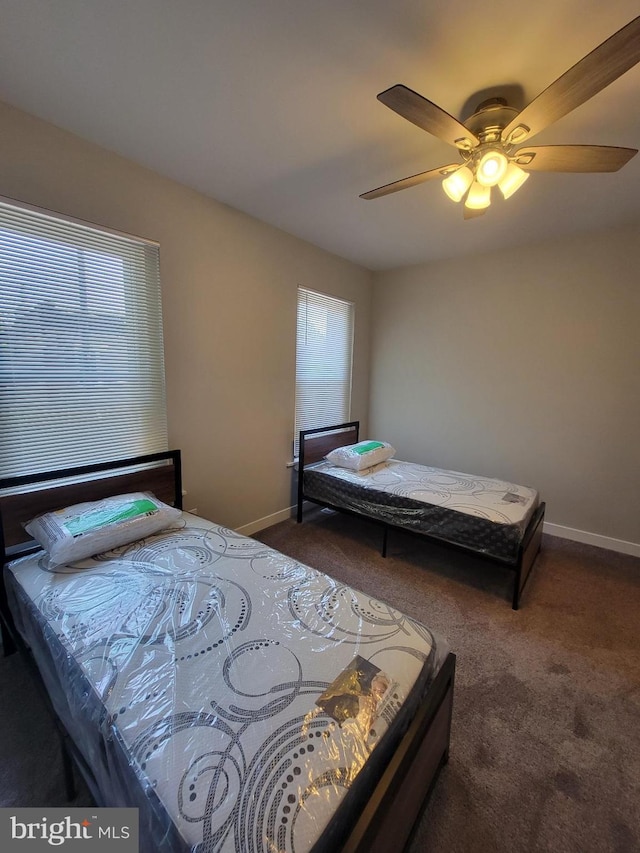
316	443
29	495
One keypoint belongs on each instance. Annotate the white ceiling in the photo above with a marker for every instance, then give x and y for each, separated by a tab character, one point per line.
270	106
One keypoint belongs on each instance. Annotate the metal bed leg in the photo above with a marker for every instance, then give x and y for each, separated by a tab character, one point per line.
67	770
515	605
8	644
384	541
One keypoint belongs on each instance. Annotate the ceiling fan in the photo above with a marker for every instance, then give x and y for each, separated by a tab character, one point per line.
488	142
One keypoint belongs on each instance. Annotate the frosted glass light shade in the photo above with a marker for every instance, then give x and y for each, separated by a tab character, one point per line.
514	178
458	183
491	168
479	197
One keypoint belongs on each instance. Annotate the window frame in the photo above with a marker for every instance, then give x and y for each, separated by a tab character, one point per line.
346	314
120	351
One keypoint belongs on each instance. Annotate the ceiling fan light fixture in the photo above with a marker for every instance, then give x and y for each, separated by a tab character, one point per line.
456	184
491	167
513	179
479	197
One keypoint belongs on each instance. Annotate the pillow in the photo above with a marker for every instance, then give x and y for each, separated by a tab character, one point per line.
364	454
84	530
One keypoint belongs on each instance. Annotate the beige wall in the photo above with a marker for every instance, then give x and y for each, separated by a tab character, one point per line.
522	364
229	300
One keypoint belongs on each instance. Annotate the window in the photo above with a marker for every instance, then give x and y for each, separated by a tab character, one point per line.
81	352
323	361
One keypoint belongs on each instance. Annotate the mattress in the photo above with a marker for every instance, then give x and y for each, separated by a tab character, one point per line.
485	515
232	694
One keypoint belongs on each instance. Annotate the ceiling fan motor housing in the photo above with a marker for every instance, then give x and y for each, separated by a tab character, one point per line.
490	118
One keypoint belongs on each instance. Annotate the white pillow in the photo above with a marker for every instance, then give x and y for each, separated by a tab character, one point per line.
84	530
362	455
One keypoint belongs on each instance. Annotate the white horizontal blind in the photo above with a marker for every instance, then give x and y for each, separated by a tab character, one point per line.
81	351
324	346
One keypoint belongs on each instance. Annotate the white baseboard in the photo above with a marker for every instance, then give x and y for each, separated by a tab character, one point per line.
267	521
619	545
596	539
274	518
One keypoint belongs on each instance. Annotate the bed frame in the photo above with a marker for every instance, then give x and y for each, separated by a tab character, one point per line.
316	443
381	819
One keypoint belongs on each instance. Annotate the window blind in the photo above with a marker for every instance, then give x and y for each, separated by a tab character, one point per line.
324	346
81	350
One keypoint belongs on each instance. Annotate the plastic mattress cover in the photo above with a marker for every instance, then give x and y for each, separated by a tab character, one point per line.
486	515
229	692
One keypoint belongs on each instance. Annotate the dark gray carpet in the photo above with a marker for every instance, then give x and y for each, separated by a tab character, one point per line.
31	772
545	752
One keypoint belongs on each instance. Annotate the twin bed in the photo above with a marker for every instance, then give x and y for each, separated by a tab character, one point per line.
490	518
240	700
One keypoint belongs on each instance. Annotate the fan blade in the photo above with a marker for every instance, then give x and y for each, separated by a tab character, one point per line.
413	181
584	80
428	116
573	158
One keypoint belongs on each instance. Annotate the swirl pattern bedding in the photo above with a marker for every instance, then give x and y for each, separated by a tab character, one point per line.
486	515
231	693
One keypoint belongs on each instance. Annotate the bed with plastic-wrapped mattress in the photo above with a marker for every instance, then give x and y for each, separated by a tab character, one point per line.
240	700
491	518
